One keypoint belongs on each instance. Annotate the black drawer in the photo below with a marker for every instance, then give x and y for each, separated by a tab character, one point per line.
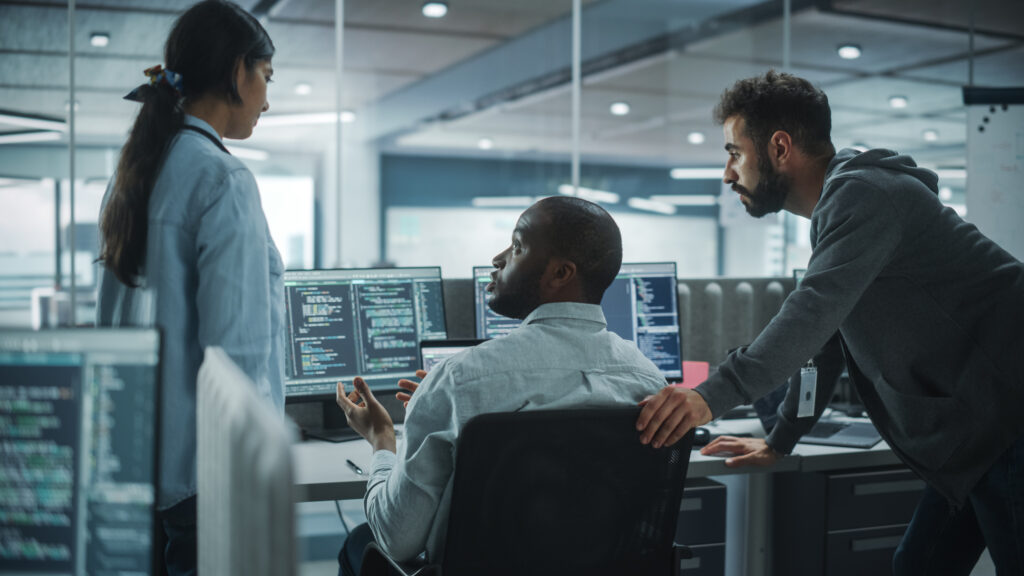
859	552
708	560
865	499
701	513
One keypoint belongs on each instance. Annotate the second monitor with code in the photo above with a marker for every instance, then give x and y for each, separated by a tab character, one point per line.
358	322
640	305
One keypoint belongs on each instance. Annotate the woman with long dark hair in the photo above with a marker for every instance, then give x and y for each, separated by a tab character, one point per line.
185	243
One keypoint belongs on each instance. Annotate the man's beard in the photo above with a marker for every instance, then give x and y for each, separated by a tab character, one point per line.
519	299
770	194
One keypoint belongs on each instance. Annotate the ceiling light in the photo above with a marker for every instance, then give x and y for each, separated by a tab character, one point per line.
930	135
945	193
651	206
695	137
589	194
686	199
485	144
29	121
502	201
99	39
248	153
696	173
619	108
67	105
34	136
303	89
347	116
849	51
435	9
898	101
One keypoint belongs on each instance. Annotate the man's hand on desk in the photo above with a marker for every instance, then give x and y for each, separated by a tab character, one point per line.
670	414
409	385
366	416
745	451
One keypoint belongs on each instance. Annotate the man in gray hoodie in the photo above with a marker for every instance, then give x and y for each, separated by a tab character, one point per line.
929	314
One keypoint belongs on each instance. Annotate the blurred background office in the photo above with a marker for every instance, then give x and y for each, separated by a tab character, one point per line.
452	117
415	133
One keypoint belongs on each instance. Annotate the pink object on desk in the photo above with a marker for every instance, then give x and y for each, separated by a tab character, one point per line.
694	372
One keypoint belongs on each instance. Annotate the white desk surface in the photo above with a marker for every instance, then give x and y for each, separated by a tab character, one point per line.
322	474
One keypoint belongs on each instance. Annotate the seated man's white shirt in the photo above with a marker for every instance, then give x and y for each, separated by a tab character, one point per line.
561	356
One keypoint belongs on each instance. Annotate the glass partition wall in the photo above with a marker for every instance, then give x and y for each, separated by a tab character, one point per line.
416	133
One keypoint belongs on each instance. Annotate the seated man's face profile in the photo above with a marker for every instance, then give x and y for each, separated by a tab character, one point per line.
515	287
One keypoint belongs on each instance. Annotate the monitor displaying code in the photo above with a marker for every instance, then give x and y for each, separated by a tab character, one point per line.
358	322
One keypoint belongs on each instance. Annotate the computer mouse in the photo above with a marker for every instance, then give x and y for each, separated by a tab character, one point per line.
701	436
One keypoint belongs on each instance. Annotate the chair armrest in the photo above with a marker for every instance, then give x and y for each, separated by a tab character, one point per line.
680	552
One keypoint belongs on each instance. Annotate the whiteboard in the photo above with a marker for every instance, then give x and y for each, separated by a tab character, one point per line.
995	171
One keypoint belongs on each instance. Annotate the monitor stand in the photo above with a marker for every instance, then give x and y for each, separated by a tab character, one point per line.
335	428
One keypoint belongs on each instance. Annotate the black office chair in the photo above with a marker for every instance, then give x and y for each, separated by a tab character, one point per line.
559	492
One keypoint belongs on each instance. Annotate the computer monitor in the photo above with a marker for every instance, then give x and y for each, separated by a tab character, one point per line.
78	451
641	305
358	322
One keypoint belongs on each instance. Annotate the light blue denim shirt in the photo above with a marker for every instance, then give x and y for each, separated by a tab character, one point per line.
561	356
212	277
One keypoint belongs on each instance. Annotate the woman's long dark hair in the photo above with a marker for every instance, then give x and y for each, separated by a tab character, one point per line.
204	47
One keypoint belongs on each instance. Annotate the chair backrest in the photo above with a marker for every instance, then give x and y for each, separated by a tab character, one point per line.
563	492
246	490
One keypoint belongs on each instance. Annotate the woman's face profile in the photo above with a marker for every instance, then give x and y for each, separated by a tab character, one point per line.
252	88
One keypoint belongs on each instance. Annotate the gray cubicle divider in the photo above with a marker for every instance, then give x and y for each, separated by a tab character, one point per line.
715	314
718	314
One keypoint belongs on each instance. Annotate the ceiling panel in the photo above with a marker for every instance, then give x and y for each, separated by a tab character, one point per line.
816	35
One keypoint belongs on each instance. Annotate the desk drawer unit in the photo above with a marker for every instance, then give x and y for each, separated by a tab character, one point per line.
702	527
841	522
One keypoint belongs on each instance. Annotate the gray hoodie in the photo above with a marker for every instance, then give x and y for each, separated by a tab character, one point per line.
930	313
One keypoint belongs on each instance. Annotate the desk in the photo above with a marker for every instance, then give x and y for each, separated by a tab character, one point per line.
321	474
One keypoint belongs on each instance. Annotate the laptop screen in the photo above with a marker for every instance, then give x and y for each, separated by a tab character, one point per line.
433	352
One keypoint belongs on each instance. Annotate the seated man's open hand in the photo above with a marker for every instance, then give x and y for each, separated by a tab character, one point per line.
366	416
742	451
410	386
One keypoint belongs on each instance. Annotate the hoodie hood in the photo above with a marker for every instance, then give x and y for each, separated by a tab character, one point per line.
849	161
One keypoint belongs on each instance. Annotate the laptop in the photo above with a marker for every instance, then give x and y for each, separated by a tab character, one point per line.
826	432
433	352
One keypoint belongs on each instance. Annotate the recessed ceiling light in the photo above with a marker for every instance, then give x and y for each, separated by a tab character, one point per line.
898	101
347	116
930	135
945	193
31	136
695	137
485	144
303	89
619	108
435	9
849	51
696	173
99	39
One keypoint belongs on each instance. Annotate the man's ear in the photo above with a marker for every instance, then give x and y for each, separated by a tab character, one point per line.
780	148
562	272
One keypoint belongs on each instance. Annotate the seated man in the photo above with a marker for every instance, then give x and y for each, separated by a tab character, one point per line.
565	253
